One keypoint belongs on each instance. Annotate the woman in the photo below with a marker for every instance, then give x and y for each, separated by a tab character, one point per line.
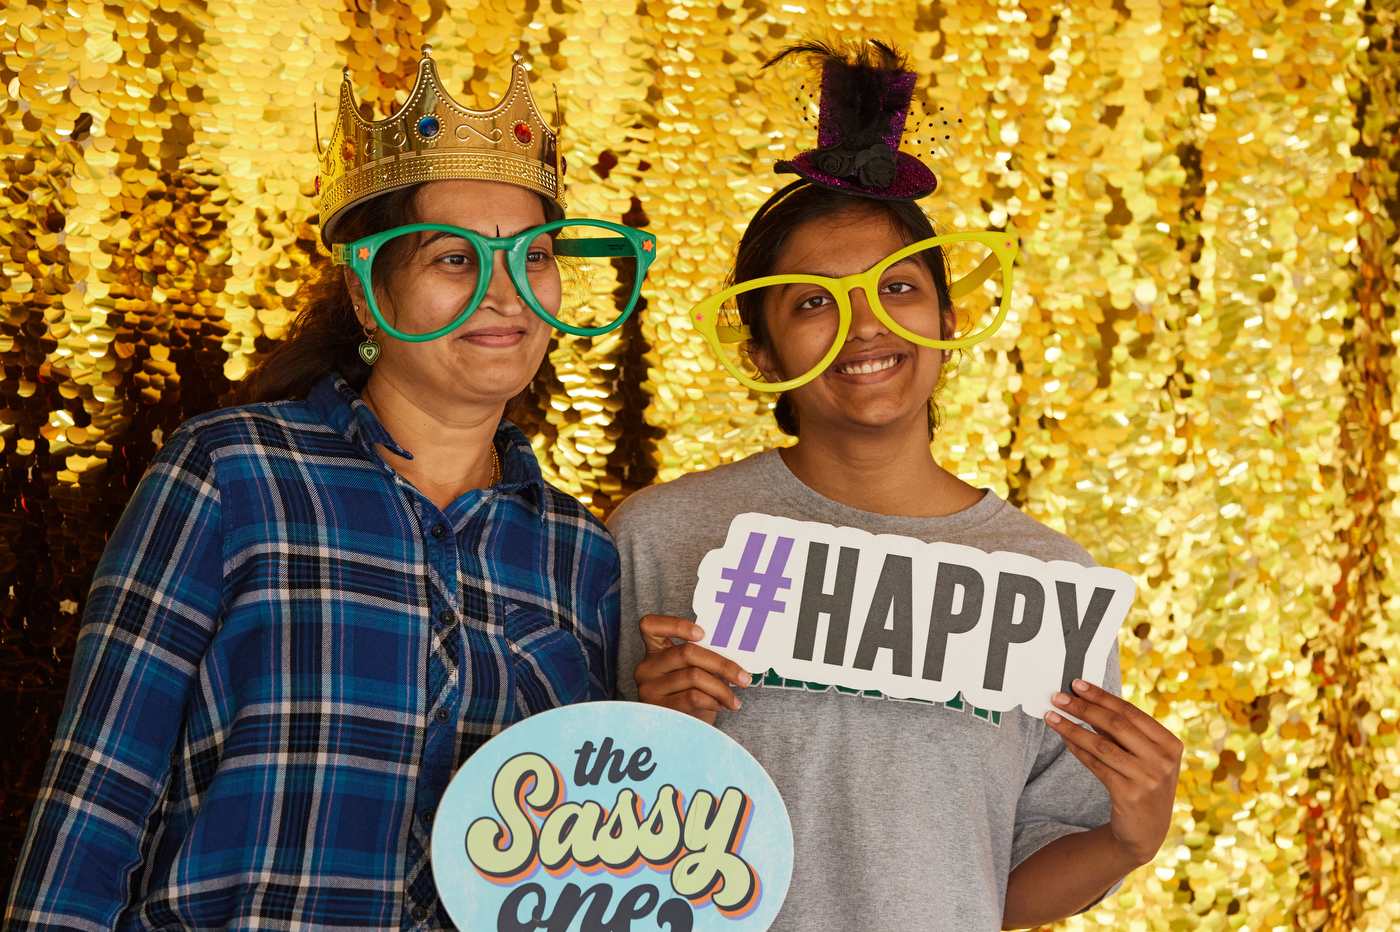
314	610
905	815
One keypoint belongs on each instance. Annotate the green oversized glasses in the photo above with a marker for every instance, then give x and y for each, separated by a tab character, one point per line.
973	260
590	263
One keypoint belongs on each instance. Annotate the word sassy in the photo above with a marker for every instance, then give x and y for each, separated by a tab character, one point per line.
538	828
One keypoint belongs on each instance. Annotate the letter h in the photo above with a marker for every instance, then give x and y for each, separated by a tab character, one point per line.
816	602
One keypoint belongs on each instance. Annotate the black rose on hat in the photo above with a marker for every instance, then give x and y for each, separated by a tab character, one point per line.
838	163
875	166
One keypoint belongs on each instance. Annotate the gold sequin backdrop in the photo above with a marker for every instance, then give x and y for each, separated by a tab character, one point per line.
1196	380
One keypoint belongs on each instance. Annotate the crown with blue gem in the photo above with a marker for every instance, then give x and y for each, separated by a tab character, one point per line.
433	138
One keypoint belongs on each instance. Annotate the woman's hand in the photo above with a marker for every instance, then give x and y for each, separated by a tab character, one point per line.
685	677
1133	755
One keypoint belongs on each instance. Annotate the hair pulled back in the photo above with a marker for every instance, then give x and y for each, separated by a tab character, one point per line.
326	334
767	235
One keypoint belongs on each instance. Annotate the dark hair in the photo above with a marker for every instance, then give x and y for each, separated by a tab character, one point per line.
767	234
325	335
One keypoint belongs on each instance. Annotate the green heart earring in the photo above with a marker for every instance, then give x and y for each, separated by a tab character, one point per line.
369	350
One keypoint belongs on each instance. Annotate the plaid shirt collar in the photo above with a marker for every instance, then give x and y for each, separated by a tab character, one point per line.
345	412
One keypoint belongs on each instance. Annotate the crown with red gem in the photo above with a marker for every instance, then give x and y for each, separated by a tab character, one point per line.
433	138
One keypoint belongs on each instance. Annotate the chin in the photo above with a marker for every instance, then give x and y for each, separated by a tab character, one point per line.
462	381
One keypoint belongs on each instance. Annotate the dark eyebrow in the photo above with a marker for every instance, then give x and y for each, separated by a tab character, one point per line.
439	234
782	290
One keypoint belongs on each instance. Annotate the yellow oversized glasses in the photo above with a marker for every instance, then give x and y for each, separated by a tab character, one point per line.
973	259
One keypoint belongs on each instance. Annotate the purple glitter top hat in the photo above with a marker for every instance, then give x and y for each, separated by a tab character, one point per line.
865	96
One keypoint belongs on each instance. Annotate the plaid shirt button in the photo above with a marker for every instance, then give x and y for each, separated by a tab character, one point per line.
418	913
442	715
439	530
445	618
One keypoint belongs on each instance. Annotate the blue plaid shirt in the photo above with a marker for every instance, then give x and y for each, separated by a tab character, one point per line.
287	652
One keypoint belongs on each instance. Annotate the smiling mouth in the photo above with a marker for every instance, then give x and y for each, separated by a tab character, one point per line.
867	366
494	332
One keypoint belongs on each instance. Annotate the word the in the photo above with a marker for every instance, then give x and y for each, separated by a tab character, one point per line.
636	768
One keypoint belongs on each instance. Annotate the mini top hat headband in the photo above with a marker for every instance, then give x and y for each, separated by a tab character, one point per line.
434	138
865	95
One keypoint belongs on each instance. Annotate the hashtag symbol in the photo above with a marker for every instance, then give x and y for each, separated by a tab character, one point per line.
744	577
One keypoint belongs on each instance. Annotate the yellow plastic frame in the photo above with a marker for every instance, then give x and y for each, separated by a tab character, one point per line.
1005	246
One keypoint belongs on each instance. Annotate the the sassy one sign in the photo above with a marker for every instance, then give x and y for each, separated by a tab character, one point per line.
608	817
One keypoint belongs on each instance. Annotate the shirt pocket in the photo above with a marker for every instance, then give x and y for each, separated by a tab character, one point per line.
549	664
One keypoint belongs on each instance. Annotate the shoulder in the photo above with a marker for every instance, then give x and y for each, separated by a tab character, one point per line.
571	524
257	428
561	507
1008	528
688	502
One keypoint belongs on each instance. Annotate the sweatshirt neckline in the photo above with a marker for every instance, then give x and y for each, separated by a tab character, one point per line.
796	493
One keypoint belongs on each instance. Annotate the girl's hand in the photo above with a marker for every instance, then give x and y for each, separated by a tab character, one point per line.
1133	755
685	677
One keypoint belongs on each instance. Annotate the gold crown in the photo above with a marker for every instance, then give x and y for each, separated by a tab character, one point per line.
433	138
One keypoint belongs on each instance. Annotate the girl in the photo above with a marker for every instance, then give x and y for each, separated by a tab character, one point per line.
905	815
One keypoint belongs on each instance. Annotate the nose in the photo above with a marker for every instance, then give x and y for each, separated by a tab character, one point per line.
501	294
864	324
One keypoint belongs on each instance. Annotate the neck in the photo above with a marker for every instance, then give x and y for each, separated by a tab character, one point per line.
451	447
888	471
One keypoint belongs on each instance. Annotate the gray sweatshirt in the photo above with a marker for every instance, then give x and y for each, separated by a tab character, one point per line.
905	815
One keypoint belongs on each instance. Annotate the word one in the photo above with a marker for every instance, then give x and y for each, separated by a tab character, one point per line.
910	619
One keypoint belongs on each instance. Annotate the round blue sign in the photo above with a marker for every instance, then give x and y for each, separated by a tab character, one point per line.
591	817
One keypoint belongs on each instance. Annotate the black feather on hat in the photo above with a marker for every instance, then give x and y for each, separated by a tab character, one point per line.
866	90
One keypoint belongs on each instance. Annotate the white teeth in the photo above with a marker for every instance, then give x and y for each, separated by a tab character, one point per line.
866	368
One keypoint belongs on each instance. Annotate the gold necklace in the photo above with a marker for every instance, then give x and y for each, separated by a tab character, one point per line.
495	466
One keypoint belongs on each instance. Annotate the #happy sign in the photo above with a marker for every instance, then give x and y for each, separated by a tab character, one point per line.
913	620
608	817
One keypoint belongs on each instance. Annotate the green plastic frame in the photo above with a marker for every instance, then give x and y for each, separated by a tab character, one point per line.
360	254
1005	246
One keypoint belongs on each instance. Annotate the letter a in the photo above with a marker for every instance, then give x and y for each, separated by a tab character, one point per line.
894	593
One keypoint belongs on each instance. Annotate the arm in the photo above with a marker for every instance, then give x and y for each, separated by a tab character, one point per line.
148	621
1137	760
609	623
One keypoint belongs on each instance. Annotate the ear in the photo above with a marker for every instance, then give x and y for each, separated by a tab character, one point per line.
948	326
763	361
357	298
949	322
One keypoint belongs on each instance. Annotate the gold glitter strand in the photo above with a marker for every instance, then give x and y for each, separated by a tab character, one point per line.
1356	676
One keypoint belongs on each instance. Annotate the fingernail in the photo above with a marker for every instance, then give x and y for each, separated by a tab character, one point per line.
1052	717
1061	699
696	632
737	704
1080	685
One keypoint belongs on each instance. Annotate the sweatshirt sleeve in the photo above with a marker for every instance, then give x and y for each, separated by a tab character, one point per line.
635	592
1062	796
150	615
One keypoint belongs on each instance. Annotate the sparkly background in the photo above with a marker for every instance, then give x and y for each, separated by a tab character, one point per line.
1196	380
